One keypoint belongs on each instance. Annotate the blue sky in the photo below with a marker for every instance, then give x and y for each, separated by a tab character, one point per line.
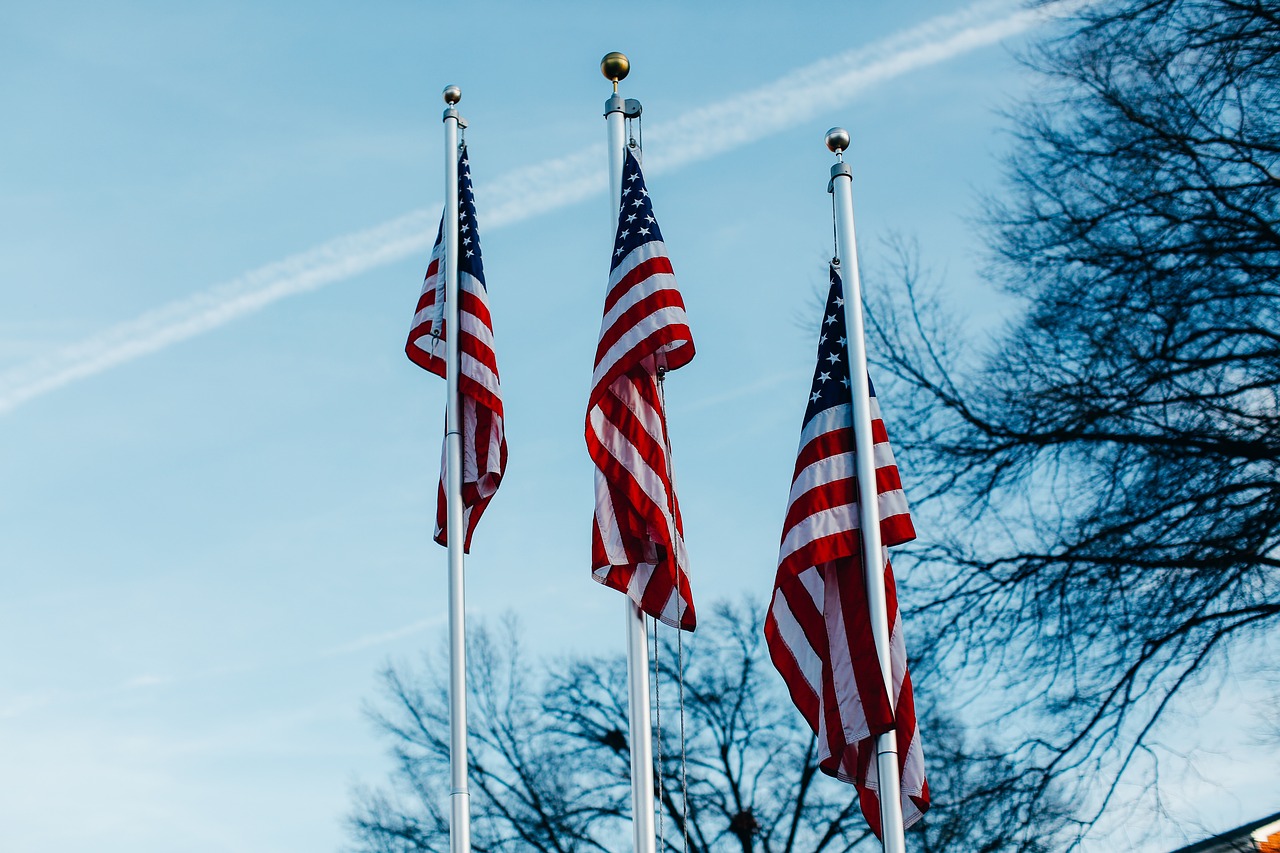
217	468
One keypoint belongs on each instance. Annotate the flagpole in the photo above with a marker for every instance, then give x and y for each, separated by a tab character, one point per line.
841	187
459	795
615	67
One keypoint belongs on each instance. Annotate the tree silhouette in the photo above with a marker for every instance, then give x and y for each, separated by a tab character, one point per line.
550	767
1114	454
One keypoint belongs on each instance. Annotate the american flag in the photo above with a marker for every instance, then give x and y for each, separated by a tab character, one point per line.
818	626
637	543
484	447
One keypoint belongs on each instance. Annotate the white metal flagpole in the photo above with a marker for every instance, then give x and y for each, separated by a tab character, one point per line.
868	501
459	796
615	67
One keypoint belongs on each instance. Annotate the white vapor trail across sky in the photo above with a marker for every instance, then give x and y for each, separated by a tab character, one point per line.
692	137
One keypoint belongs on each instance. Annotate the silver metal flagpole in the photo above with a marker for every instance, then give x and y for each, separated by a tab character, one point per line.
459	796
868	501
615	67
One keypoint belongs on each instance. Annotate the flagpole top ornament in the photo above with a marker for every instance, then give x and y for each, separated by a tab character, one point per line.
615	66
838	140
452	94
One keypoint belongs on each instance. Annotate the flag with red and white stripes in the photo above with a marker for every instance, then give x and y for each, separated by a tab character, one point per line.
637	543
484	446
819	626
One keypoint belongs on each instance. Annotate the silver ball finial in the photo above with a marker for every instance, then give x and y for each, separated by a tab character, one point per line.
452	94
838	140
615	66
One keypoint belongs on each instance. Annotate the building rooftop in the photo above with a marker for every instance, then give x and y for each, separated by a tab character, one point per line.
1260	836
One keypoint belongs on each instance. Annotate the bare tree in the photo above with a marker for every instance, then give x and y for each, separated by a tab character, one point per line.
1115	452
532	786
550	766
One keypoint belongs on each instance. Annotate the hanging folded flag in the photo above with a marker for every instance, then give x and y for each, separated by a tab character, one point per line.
484	447
637	543
818	626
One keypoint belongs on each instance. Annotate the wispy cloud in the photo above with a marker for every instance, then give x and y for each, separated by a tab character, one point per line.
26	705
692	137
764	383
382	638
804	93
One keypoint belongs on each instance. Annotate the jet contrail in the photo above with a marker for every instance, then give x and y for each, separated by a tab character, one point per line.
697	135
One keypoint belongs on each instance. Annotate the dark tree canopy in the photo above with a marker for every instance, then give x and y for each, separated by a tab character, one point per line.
1115	453
550	766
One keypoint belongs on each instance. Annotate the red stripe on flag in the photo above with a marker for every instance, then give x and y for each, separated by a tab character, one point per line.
636	276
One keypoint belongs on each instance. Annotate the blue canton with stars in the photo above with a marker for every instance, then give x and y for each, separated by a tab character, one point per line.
636	224
831	376
468	235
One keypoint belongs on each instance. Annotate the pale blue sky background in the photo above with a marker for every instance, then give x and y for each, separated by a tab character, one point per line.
206	552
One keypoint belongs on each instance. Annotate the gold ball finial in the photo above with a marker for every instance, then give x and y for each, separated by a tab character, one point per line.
615	66
452	94
838	140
